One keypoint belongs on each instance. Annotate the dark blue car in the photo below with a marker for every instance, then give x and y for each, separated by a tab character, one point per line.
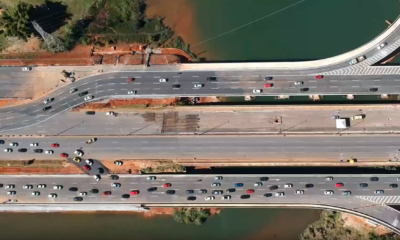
238	184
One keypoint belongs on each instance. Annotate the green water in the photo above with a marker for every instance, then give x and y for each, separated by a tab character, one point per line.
311	29
232	224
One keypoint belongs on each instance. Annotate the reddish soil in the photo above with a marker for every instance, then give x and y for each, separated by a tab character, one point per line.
7	102
133	166
170	211
121	103
68	169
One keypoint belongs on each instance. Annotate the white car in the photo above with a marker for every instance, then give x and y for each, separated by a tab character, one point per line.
27	187
89	162
226	197
48	100
299	192
82	194
72	90
58	187
298	83
379	192
328	192
163	79
210	198
34	144
215	184
329	178
258	184
151	178
382	45
279	194
52	195
218	178
96	177
26	69
288	185
110	113
13	144
198	85
257	90
35	193
115	184
119	163
41	186
361	58
49	152
89	97
9	150
79	153
11	186
132	92
11	192
353	61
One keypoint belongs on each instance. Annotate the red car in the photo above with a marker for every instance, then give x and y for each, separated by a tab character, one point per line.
130	79
250	191
86	167
134	192
55	145
64	155
339	185
267	85
167	185
319	77
107	193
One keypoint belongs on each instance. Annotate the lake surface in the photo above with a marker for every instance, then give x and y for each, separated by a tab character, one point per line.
232	224
275	30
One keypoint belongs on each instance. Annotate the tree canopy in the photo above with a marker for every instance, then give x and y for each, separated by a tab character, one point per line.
15	21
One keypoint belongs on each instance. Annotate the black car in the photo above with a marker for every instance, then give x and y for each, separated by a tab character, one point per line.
373	89
83	94
393	185
189	191
246	196
230	190
114	177
212	79
2	142
304	89
73	189
152	189
78	199
38	150
22	150
203	191
170	192
94	191
309	185
126	196
90	113
191	198
268	78
46	108
264	178
176	86
363	185
273	187
374	179
268	195
100	170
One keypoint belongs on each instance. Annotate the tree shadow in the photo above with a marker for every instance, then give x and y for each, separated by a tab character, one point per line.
50	16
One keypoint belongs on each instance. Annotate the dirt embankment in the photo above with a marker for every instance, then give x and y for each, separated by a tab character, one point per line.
38	167
153	212
361	224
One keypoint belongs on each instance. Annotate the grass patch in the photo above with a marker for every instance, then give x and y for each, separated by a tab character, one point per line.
33	164
165	166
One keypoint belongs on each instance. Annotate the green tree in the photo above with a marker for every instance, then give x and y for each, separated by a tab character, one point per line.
15	21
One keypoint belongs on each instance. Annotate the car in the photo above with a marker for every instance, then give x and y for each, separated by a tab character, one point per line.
335	117
100	170
353	61
218	178
202	191
46	108
79	152
263	179
8	150
189	191
38	150
167	185
257	90
110	113
268	85
2	141
125	196
35	193
374	179
134	192
279	194
245	196
41	185
170	192
26	69
250	191
152	189
115	184
328	192
299	192
363	185
339	184
13	144
163	80
34	144
198	85
176	86
382	45
217	192
106	193
267	195
78	199
132	92
89	97
346	193
89	162
361	58
238	185
393	185
288	185
212	79
94	191
49	100
210	198
52	195
268	78
58	187
226	197
216	184
10	186
72	90
151	178
49	152
92	140
77	159
87	167
55	145
83	94
379	192
304	89
273	187
298	83
114	177
11	192
27	187
82	194
191	198
64	155
319	77
230	190
309	185
130	79
258	184
97	177
118	162
373	89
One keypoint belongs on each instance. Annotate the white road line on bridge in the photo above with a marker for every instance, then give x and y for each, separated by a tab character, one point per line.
98	80
355	86
110	89
195	76
156	88
86	89
111	84
76	99
111	77
156	83
22	115
60	93
332	80
99	85
310	87
123	89
23	109
215	88
176	76
333	86
63	98
355	80
64	104
137	83
84	83
124	83
377	86
25	121
156	77
312	81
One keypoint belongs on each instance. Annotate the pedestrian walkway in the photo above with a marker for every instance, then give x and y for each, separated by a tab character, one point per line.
383	200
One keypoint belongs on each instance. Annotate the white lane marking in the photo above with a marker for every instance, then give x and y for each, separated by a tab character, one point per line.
9	118
84	83
111	77
176	76
355	86
100	91
123	89
235	76
332	80
376	80
25	121
124	83
195	76
99	85
86	89
110	89
156	88
63	98
156	83
60	93
254	76
22	115
111	84
215	88
137	83
311	87
333	86
64	104
312	81
355	80
156	77
98	80
138	77
76	99
23	109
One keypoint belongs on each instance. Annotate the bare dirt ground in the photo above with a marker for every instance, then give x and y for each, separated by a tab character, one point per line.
127	103
135	166
362	225
170	211
38	167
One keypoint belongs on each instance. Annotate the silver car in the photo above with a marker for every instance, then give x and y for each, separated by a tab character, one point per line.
131	92
215	184
379	192
382	45
163	79
257	90
198	85
299	192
